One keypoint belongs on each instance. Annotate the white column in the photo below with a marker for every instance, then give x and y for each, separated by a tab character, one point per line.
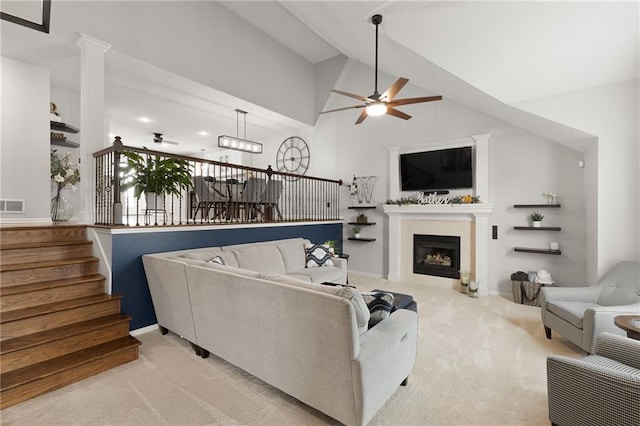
481	184
92	53
482	254
395	250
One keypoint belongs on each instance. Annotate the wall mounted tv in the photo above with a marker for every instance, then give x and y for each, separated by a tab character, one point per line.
437	170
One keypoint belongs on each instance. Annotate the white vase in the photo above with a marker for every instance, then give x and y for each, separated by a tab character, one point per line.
537	224
356	235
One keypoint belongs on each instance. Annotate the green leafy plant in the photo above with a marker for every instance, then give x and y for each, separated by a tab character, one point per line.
333	244
356	229
155	174
536	216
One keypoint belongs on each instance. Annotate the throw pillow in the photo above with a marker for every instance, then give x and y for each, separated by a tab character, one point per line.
380	305
359	306
318	255
218	260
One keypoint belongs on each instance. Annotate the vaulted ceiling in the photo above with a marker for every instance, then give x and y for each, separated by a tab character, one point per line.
484	54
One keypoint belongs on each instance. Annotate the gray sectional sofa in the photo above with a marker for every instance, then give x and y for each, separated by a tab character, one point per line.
264	312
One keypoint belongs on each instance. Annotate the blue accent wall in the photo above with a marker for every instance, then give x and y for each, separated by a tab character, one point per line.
128	277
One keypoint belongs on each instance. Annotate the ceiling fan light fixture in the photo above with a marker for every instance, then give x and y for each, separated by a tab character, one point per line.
376	109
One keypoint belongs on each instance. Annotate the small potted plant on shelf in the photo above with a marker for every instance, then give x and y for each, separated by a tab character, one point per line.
536	218
356	232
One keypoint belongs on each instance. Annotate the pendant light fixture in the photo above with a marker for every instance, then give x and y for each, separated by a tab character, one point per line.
237	143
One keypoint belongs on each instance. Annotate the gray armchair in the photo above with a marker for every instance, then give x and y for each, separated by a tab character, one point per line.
599	389
581	313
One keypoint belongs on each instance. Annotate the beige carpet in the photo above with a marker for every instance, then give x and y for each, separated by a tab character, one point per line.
480	362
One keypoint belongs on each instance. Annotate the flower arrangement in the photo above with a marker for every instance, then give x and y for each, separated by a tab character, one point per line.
551	197
464	199
65	174
353	187
433	199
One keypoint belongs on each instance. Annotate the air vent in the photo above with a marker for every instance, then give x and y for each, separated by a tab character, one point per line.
11	206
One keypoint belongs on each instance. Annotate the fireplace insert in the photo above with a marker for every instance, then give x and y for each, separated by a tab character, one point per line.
437	255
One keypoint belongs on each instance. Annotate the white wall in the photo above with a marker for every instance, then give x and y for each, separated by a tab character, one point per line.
522	167
612	114
24	156
68	106
205	42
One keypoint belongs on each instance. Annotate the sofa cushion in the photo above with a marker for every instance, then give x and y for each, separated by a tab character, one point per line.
349	293
318	255
302	277
206	255
572	312
293	254
319	275
380	305
264	258
614	296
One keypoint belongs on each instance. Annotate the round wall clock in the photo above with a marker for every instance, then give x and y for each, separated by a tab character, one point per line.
293	156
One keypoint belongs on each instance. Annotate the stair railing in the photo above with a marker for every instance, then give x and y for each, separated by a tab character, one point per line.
215	193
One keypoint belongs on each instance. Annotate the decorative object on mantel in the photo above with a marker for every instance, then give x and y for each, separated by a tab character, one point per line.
434	198
64	174
536	217
551	197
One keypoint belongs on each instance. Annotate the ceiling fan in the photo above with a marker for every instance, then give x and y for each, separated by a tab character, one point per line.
157	138
379	104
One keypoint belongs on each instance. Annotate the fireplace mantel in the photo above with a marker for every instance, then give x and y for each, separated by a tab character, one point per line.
429	211
478	213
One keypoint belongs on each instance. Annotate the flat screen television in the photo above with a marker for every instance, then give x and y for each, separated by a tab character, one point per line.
437	170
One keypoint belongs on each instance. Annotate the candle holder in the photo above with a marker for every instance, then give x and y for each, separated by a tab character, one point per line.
464	281
473	288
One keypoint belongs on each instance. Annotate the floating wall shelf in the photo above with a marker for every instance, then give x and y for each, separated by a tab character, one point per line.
537	206
542	228
363	224
535	250
361	239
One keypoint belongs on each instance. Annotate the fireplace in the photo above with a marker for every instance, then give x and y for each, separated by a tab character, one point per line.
437	255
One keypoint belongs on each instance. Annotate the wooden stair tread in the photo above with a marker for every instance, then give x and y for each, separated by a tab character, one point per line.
49	308
48	263
20	376
35	339
43	285
45	244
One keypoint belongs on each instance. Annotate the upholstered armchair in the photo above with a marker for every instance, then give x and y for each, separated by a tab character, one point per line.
581	313
599	389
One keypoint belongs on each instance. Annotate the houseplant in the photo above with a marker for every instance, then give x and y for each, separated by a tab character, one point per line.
155	176
356	231
536	218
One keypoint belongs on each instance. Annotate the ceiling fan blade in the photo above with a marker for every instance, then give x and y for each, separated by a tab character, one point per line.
408	101
362	116
395	88
397	113
351	95
342	109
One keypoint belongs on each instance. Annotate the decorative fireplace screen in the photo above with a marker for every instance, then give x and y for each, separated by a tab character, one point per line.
437	255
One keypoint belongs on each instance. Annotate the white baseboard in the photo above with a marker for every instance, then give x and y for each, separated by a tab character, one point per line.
143	330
